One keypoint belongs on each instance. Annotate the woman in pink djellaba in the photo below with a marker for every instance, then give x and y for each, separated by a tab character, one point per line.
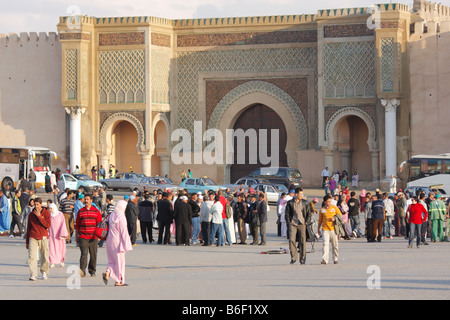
57	234
117	244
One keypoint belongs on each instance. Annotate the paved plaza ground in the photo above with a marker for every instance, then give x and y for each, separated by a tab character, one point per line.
386	270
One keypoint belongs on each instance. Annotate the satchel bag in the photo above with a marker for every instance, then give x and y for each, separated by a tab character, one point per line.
101	230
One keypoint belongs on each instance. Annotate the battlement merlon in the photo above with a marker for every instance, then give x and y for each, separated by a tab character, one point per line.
28	37
429	11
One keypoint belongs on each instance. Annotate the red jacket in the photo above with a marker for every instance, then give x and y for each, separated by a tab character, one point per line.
37	227
414	214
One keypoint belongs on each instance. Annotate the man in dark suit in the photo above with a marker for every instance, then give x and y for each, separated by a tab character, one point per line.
164	218
298	216
183	221
262	216
146	218
131	213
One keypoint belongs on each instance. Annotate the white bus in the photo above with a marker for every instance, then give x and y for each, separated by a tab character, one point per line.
427	171
16	162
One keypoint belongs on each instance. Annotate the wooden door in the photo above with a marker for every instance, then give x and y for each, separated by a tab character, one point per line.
258	117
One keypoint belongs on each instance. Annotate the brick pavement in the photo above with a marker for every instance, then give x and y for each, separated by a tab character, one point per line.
241	272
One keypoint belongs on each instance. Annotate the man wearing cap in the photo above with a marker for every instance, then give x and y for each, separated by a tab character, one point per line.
132	213
437	214
78	205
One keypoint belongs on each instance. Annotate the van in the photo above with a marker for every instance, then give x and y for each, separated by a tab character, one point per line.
279	175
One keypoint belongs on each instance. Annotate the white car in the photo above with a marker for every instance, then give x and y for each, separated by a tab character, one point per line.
272	193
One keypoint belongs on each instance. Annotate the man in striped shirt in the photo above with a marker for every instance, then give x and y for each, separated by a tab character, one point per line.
87	219
66	206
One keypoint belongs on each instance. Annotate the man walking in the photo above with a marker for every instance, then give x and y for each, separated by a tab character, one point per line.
298	216
327	217
353	212
37	239
378	217
87	219
67	207
389	209
16	211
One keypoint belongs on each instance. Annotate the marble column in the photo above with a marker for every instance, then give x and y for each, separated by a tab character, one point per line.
75	135
329	159
146	160
375	165
390	108
164	164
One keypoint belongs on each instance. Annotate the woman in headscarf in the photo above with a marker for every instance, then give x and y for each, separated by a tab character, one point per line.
57	234
117	244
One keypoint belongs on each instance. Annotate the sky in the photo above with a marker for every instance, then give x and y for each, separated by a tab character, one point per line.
43	15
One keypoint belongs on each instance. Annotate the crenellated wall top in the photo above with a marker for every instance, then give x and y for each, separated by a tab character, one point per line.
29	37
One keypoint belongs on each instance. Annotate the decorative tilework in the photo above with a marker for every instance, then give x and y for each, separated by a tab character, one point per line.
347	30
387	64
160	72
121	73
272	90
74	36
296	87
160	39
71	58
223	39
121	38
190	64
349	69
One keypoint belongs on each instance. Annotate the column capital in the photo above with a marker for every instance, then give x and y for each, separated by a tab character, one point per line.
75	112
390	105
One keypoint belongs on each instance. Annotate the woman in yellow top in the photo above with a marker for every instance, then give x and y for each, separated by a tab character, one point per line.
326	224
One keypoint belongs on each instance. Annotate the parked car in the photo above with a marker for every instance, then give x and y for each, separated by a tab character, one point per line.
194	185
122	180
245	182
75	181
413	190
272	193
154	183
279	175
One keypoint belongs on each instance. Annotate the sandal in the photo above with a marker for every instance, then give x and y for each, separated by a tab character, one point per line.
105	278
120	284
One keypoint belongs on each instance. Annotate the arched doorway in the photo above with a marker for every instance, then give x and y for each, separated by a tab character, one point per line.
160	157
124	153
351	136
258	116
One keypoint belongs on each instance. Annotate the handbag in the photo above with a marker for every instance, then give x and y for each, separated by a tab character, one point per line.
101	230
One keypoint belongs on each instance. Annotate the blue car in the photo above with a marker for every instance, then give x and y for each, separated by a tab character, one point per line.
195	185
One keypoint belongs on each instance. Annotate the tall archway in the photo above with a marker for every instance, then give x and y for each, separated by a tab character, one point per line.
121	139
124	153
234	103
160	157
351	140
259	116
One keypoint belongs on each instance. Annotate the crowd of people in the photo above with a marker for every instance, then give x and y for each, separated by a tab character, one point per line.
210	218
